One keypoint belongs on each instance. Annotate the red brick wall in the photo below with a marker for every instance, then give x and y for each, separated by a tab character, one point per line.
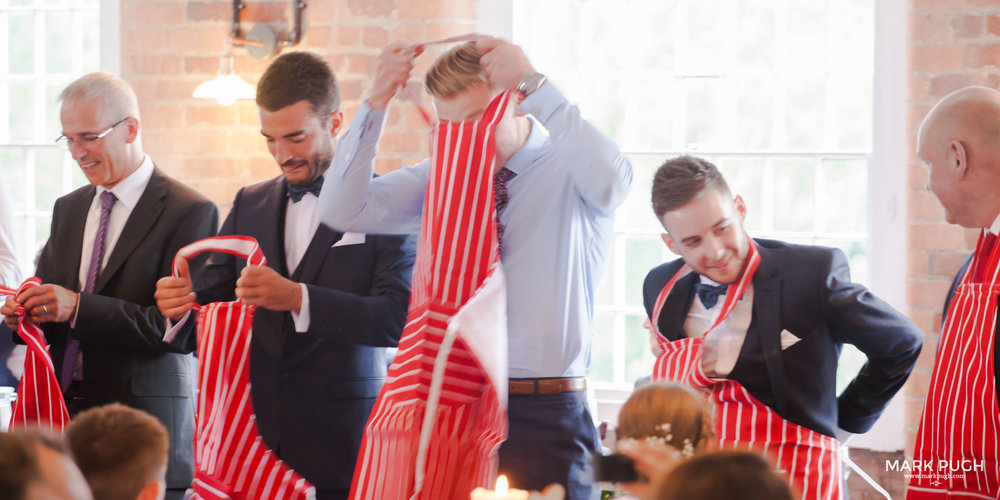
952	43
168	47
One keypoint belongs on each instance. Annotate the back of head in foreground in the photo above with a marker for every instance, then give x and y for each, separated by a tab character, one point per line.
729	475
121	451
669	413
35	465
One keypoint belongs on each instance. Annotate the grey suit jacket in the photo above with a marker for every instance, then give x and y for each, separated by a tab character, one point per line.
118	325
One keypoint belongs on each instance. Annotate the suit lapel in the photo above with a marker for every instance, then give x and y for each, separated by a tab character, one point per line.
766	324
140	222
315	255
76	220
273	224
676	307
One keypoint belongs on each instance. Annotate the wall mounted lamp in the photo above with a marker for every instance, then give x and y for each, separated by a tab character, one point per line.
261	42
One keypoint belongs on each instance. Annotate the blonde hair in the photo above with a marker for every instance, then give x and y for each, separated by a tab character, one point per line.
675	413
455	71
116	97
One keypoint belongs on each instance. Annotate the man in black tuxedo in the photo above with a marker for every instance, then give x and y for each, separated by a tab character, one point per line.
110	241
783	344
329	303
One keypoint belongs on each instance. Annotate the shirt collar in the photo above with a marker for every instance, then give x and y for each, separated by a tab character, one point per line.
129	189
995	227
523	157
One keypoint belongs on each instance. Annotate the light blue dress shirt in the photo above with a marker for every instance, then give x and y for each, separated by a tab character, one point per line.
558	225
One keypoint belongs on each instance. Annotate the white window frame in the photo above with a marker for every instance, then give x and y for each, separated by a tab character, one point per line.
886	189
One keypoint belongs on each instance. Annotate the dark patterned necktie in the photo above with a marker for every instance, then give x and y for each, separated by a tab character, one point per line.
500	197
108	200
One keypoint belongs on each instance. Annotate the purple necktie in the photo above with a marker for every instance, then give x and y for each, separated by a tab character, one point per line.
500	197
96	260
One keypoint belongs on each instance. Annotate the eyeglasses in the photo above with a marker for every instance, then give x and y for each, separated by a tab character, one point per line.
87	140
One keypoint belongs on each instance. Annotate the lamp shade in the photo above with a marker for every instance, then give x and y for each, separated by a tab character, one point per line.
225	88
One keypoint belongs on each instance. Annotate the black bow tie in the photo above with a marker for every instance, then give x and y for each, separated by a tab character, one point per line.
297	192
709	294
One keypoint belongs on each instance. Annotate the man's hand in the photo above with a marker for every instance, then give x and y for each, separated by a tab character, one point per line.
262	286
654	342
9	311
175	296
503	62
392	71
47	304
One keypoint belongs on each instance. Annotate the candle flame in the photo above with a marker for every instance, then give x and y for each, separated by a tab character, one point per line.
502	485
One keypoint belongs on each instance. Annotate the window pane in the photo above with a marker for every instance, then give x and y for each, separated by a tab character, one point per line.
48	175
58	28
12	173
752	116
704	130
636	214
90	50
21	120
21	42
805	107
793	195
53	127
655	123
805	43
638	356
756	23
710	25
643	255
850	130
744	176
845	195
602	350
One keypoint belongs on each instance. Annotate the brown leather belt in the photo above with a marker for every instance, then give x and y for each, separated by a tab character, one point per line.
546	386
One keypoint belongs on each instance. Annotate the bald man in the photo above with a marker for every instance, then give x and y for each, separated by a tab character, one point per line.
959	437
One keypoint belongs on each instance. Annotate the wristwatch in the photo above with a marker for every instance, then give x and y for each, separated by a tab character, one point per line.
530	83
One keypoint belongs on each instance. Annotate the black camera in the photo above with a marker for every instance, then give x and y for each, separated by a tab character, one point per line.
614	468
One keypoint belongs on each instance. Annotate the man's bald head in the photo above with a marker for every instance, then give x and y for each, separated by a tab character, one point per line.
959	140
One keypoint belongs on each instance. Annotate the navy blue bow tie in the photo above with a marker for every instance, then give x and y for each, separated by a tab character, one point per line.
297	192
709	294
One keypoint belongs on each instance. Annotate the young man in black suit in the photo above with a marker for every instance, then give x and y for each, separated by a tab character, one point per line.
759	324
329	303
110	242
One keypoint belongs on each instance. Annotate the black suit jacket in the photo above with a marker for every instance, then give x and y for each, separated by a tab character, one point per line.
807	290
313	391
118	325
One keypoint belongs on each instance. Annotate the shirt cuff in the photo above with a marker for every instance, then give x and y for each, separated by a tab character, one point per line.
170	330
301	317
543	102
79	299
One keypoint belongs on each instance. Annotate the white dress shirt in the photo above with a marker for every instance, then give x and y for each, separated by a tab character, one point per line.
301	222
127	191
722	347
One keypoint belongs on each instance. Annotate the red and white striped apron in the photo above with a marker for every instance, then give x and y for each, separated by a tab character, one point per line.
960	423
39	401
441	416
231	459
808	459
